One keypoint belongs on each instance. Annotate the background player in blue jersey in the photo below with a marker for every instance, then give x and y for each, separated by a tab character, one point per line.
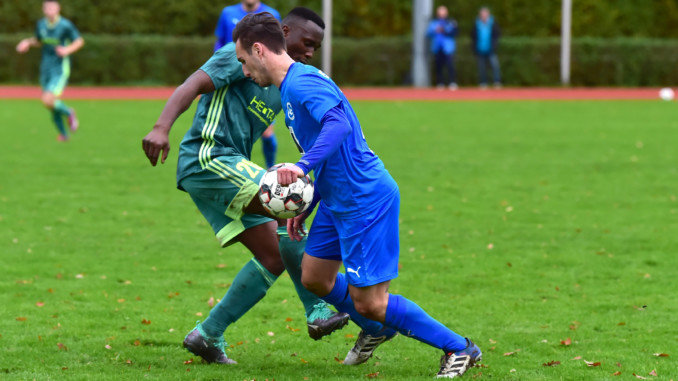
357	217
230	16
59	39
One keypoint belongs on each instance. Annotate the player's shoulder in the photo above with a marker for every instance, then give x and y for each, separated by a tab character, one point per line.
226	50
307	80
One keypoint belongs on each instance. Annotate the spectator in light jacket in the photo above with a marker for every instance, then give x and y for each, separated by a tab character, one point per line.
485	36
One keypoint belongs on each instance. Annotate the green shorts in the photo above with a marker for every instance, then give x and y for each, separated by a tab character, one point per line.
54	80
222	191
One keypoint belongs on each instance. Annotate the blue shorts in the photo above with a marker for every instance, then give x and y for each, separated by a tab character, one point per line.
368	245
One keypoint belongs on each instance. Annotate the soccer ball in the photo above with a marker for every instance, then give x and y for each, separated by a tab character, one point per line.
667	94
284	202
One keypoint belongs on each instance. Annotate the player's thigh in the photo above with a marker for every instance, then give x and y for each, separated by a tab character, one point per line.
371	244
53	81
216	197
262	241
323	238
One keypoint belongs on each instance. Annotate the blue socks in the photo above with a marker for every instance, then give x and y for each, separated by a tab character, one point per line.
270	147
402	315
341	299
410	320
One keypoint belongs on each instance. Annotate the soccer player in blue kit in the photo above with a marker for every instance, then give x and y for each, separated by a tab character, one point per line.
230	16
357	217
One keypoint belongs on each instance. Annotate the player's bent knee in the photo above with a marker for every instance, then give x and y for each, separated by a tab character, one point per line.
371	309
48	100
313	284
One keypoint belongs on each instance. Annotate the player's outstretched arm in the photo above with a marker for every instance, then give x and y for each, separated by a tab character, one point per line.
157	140
24	45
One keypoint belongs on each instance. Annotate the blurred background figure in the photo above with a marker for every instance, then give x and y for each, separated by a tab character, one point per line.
230	16
485	35
59	38
442	31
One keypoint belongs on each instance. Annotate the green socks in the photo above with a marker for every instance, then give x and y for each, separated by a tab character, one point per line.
59	122
248	288
292	252
58	113
61	107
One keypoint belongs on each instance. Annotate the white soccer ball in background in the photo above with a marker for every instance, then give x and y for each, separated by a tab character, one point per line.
281	201
667	94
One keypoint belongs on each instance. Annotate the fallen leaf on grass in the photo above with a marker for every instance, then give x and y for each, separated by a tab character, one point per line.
137	343
492	341
621	323
198	314
349	336
210	301
653	373
189	361
511	353
292	329
372	375
288	319
617	373
512	371
62	347
566	342
302	360
337	359
107	346
270	333
639	377
661	354
64	368
576	358
128	361
551	363
145	322
21	318
591	363
39	304
121	300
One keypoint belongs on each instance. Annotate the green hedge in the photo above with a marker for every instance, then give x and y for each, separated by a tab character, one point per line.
359	18
159	60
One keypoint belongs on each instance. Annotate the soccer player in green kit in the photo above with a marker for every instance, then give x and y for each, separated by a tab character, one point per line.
59	39
214	167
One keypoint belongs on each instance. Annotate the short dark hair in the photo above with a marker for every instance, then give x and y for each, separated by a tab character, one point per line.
260	27
306	14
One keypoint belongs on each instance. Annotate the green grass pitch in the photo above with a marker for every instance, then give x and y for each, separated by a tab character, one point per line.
523	224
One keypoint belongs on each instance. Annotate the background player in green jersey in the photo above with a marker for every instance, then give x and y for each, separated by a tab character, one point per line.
214	167
59	39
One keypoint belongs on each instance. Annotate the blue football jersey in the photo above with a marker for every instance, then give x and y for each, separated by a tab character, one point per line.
232	15
353	179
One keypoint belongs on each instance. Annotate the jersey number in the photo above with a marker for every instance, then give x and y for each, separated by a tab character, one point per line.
248	166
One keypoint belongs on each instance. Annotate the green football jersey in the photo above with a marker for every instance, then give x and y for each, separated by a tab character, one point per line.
229	120
61	33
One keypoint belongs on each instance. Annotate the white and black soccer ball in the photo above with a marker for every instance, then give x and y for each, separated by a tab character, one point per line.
285	201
